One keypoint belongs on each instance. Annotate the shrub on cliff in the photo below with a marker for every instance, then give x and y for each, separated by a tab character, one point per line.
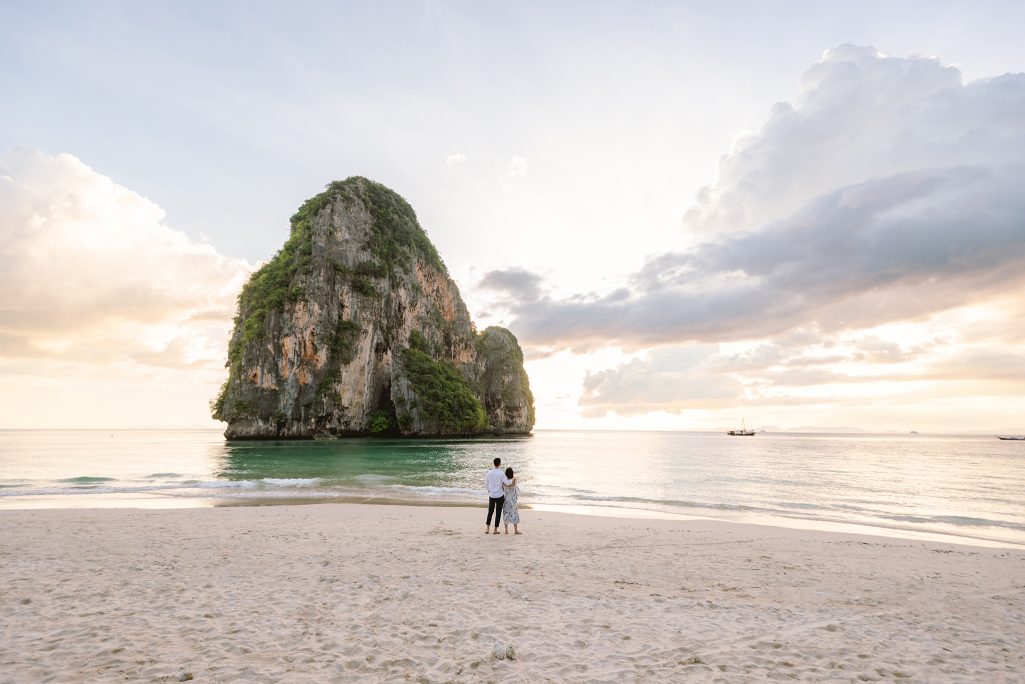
445	397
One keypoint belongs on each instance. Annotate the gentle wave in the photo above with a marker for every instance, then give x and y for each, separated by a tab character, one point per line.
186	487
83	490
438	491
810	511
598	499
225	484
955	520
88	479
372	478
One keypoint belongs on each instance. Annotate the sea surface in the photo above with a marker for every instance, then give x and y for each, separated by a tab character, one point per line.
967	488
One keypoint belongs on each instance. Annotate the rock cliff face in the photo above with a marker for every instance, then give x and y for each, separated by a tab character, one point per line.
355	328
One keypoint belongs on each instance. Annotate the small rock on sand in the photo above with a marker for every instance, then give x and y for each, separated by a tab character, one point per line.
501	652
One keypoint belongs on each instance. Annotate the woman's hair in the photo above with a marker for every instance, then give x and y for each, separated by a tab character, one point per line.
509	473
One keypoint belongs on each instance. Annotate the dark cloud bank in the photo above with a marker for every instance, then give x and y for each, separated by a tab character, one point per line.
889	190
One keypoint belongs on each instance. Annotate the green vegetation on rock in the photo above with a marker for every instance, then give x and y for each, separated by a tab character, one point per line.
418	342
239	409
445	397
396	230
361	278
381	422
343	344
217	403
330	378
275	283
341	352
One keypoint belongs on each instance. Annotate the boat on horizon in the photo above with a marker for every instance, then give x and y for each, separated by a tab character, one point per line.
743	432
1011	438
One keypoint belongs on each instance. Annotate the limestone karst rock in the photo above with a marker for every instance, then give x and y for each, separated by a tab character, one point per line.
355	328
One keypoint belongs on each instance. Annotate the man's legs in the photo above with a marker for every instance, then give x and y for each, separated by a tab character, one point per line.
492	503
499	505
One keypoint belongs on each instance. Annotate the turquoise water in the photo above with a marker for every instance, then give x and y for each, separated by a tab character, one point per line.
972	487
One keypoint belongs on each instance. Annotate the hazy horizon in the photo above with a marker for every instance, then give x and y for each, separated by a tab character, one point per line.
796	430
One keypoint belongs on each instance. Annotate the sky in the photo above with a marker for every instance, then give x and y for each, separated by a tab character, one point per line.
692	215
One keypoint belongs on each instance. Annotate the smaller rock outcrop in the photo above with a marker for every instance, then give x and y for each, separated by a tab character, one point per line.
505	385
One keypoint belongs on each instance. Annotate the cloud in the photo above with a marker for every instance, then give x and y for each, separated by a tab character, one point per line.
90	273
995	364
859	115
888	191
455	159
517	167
875	350
516	284
669	379
802	369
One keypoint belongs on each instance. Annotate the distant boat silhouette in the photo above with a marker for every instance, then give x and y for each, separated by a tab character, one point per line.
1013	438
743	432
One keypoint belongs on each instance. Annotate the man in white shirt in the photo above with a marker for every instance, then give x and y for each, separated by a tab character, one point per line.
496	495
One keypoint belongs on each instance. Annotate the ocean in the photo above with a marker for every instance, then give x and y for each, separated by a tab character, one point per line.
962	488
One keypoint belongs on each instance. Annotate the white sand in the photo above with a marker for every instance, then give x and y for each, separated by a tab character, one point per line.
395	593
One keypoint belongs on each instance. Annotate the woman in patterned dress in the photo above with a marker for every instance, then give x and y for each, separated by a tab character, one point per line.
511	511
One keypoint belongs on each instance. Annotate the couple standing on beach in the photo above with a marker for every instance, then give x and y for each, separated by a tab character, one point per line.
503	498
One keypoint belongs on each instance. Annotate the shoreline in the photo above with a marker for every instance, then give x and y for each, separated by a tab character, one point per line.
352	592
150	501
711	477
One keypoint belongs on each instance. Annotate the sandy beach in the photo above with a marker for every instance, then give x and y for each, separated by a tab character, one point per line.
347	592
